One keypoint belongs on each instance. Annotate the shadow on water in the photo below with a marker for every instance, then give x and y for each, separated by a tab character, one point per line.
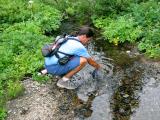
82	109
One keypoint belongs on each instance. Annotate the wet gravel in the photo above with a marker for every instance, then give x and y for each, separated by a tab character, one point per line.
41	102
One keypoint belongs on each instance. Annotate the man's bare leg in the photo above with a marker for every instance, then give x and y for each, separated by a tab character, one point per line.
65	81
83	62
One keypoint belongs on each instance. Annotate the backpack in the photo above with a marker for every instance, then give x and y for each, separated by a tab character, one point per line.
52	49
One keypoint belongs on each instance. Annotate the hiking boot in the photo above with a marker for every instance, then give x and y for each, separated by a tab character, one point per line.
69	84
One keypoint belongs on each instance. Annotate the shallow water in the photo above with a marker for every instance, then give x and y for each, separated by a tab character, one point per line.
127	90
127	86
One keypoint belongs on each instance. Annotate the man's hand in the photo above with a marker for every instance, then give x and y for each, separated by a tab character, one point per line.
93	63
97	74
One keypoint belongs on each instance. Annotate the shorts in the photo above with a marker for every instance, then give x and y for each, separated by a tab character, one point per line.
60	70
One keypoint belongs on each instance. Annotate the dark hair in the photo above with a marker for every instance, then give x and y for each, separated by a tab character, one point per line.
86	31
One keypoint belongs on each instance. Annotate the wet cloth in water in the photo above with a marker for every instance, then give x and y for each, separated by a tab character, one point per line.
58	69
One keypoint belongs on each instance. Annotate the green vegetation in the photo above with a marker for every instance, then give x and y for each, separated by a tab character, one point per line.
147	16
26	25
135	21
140	23
119	30
23	26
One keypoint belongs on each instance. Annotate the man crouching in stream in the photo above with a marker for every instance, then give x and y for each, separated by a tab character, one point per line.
80	58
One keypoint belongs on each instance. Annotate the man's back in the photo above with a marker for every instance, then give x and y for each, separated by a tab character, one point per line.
71	47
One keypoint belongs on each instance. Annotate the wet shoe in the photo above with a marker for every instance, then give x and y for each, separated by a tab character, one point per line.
68	84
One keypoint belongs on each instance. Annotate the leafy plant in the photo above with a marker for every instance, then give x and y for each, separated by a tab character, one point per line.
147	16
110	7
22	33
41	78
13	12
119	30
14	89
151	43
47	17
139	22
3	113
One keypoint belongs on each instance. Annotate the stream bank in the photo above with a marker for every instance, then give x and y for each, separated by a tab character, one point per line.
131	92
128	90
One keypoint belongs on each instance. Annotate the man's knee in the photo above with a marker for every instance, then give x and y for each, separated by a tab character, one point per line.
83	61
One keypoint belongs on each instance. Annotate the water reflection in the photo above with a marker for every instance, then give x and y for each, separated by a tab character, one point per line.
82	109
93	88
125	99
118	92
125	95
149	106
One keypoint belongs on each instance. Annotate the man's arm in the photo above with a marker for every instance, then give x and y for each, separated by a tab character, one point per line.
93	63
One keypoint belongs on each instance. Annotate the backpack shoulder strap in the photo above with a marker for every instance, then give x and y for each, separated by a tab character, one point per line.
66	39
72	38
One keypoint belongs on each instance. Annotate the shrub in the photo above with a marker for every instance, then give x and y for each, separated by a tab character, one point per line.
14	89
3	113
151	43
110	7
47	17
140	22
13	12
119	30
24	54
22	34
18	11
147	16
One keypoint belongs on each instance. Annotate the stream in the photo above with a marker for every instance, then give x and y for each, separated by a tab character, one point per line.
128	89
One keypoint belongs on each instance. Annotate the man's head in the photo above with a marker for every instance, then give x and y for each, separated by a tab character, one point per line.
85	34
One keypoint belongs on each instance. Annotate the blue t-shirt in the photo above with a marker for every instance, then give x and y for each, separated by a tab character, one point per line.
71	47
